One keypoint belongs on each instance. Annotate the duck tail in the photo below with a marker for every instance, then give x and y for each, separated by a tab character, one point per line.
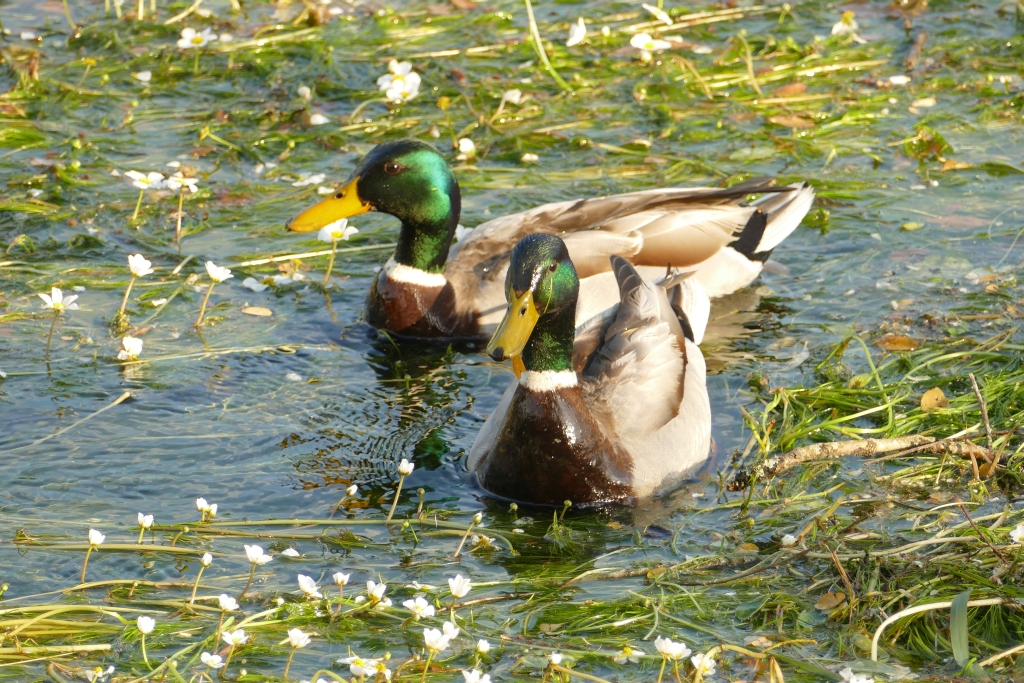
777	216
692	307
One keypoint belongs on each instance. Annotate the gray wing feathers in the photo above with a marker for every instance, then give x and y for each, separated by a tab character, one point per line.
641	386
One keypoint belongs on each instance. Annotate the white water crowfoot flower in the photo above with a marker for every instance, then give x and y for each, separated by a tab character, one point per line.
179	181
309	179
143	182
467	149
257	557
629	655
789	540
145	626
847	26
359	666
308	586
236	637
290	552
459	586
131	347
211	661
401	83
482	647
670	651
703	663
191	39
227	603
648	45
577	33
318	119
57	302
420	608
849	677
233	639
99	673
529	158
331	233
405	468
297	639
555	658
1018	534
95	541
217	274
145	521
139	265
206	510
143	76
475	676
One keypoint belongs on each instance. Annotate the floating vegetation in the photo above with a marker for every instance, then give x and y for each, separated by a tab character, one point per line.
860	521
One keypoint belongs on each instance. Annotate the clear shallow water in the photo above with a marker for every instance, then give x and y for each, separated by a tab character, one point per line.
235	425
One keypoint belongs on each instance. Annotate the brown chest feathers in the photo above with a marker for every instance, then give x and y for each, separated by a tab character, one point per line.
417	310
549	450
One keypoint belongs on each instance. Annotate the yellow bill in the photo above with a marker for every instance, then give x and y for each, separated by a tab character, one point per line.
344	203
515	328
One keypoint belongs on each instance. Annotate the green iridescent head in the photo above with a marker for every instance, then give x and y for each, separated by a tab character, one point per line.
542	288
409	180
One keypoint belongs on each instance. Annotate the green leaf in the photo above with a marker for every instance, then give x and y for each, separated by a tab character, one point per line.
999	168
958	627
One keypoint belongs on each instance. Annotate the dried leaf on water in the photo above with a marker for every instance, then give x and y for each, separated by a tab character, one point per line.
897	342
933	400
830	601
790	121
258	311
791	89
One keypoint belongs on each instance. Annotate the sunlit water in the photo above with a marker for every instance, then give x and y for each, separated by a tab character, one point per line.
281	433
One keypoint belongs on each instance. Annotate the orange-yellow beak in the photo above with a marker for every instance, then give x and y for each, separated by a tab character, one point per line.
344	203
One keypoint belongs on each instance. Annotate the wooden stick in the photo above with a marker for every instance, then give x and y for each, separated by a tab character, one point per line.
915	50
866	447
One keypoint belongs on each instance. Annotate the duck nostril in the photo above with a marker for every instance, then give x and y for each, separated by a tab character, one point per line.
522	311
498	353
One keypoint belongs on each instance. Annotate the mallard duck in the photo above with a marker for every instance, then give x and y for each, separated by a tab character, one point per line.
608	413
433	288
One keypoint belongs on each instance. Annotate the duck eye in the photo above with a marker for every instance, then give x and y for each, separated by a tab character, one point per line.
553	267
392	167
340	195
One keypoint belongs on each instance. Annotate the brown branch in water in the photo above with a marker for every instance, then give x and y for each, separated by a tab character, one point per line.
915	50
911	443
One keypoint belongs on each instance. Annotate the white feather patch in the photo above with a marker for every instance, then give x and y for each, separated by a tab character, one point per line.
548	380
413	276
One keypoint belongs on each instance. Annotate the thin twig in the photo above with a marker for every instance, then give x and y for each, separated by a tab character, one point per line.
915	50
963	509
984	409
